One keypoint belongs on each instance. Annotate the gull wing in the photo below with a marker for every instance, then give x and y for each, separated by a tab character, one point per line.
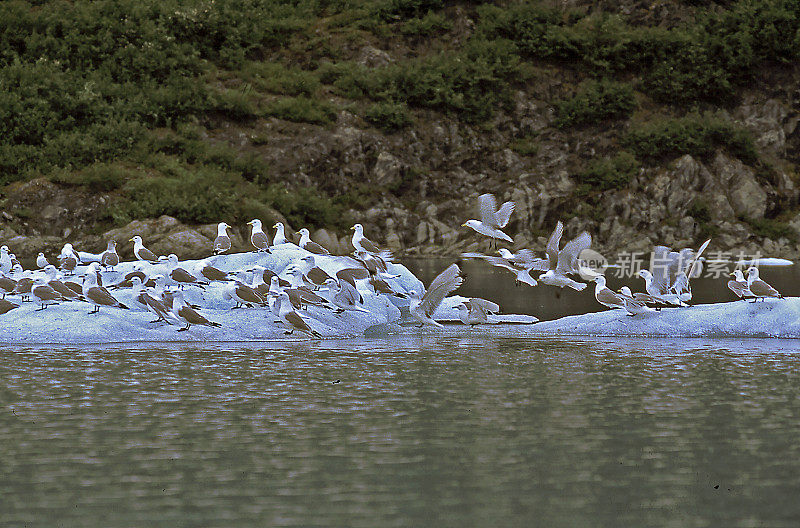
484	305
527	259
504	214
487	206
658	267
553	243
696	257
568	256
442	285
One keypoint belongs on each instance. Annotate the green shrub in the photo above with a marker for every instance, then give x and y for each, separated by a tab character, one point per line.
302	110
100	177
525	146
429	25
771	228
695	134
699	210
595	102
388	116
198	196
608	173
304	206
235	104
279	79
396	9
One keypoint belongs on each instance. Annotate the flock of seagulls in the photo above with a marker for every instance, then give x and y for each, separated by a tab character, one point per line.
157	283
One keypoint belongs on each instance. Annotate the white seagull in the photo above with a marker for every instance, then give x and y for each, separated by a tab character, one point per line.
493	220
422	309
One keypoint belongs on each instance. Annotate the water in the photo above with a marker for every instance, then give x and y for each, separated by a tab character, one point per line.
445	429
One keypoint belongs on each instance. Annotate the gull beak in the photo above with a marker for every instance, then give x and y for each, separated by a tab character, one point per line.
353	228
131	240
464	224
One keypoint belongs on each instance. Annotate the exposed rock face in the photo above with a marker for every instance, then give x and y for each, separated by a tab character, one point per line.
162	236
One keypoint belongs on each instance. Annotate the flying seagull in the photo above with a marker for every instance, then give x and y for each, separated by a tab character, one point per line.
493	220
423	308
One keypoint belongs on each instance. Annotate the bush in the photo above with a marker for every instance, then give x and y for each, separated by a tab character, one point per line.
596	102
388	116
302	110
235	104
695	134
304	206
279	79
771	228
430	24
608	173
100	177
525	146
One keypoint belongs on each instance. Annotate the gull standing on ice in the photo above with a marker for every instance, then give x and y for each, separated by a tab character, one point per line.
141	252
110	258
41	261
363	244
565	261
5	261
280	234
422	309
223	242
309	245
493	220
95	294
605	296
292	319
258	237
739	285
42	291
758	287
187	314
68	260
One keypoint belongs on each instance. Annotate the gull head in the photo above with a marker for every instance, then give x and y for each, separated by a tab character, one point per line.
506	254
358	228
626	291
278	225
752	272
136	239
645	274
471	223
303	232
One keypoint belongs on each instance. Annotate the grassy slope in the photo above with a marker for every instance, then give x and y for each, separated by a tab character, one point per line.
119	96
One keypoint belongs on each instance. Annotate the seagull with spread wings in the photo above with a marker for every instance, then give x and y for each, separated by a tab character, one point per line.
565	261
493	220
422	308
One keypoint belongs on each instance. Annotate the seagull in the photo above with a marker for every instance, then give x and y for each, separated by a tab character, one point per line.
374	263
682	288
95	294
52	281
315	274
739	285
208	272
126	281
7	284
309	245
649	300
345	297
41	261
42	291
141	252
187	314
223	242
24	285
565	261
242	294
362	243
280	234
110	258
605	296
292	319
258	238
633	305
5	260
68	260
6	306
520	264
758	287
422	309
475	311
493	220
180	275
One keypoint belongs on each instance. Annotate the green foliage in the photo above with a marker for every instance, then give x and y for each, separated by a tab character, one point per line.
302	110
525	146
197	196
235	104
388	116
274	77
304	206
100	177
595	102
699	210
701	61
607	174
431	24
695	134
771	228
396	9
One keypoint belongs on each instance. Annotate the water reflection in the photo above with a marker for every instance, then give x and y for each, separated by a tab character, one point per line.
442	429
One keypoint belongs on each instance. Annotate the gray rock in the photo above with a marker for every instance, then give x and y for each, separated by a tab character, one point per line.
745	195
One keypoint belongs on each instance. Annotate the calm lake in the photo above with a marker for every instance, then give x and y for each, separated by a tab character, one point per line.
453	427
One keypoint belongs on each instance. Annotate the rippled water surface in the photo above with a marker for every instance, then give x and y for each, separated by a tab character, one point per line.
445	429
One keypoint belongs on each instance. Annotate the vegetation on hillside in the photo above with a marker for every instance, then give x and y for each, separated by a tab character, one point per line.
115	95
